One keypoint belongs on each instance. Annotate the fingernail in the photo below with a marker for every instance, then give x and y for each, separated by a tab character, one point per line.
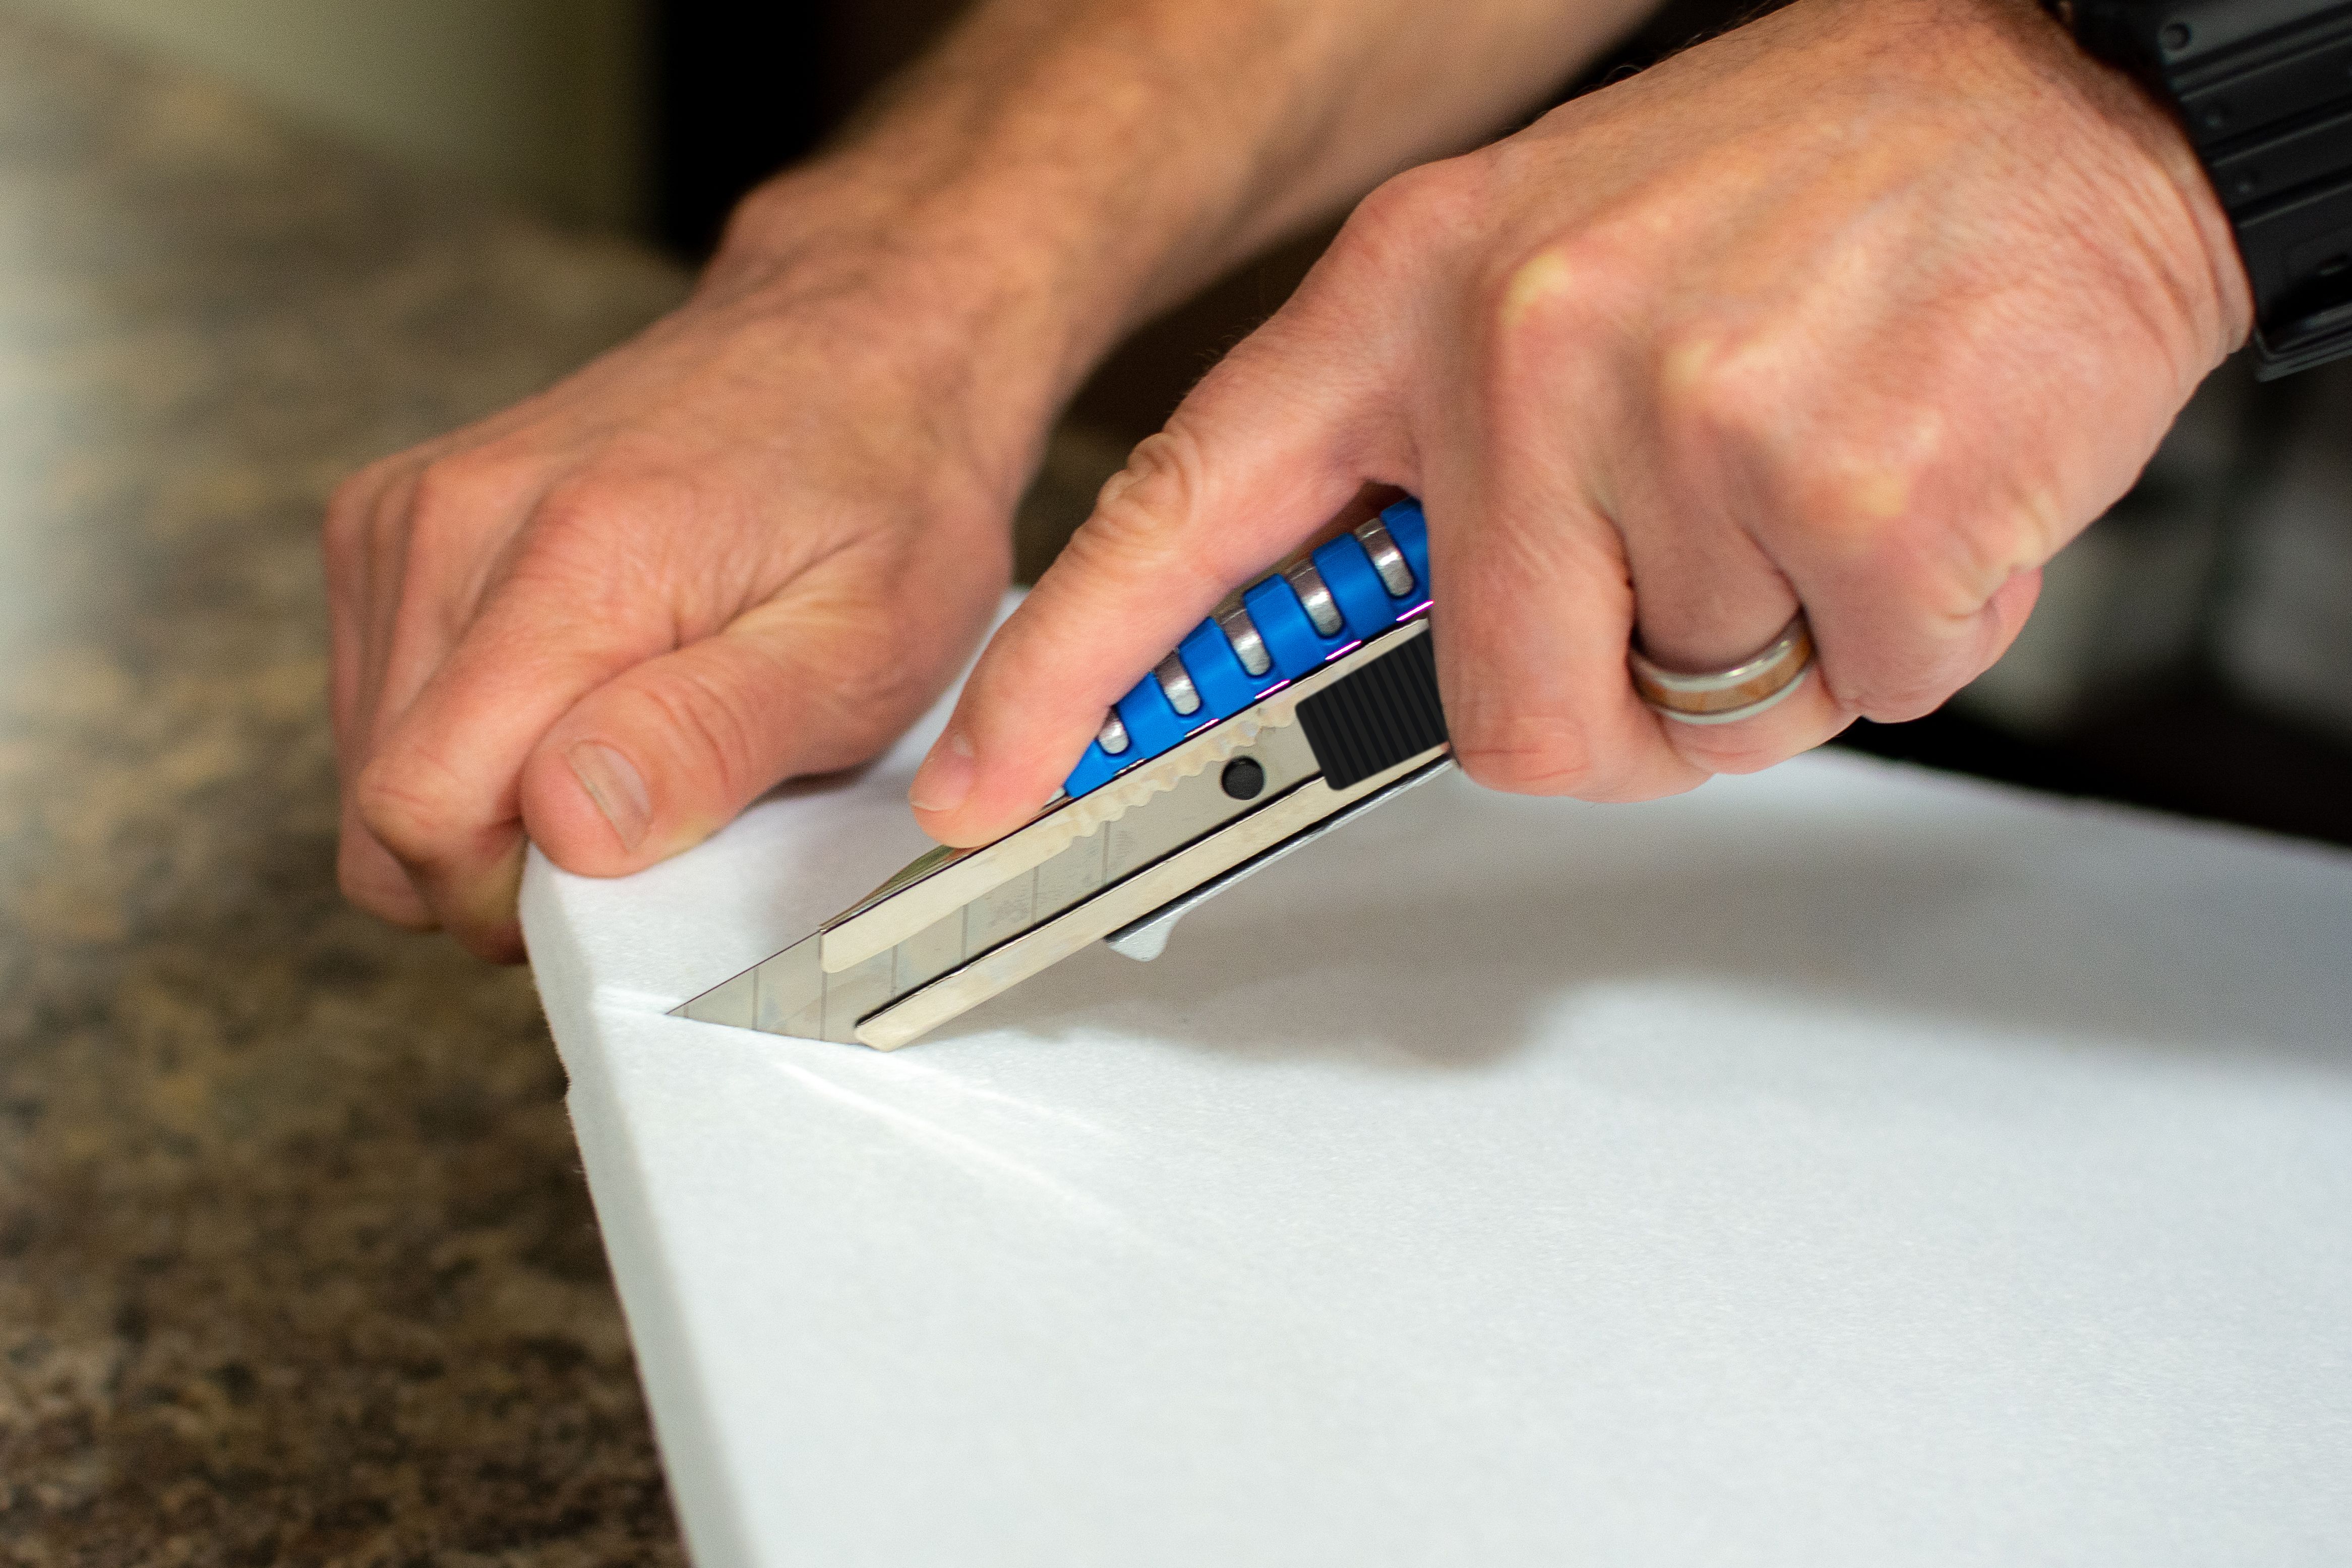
613	782
945	777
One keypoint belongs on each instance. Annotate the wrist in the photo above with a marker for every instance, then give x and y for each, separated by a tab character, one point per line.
922	287
2112	157
1043	207
2200	236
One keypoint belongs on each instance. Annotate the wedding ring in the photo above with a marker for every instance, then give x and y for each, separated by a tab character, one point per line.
1728	696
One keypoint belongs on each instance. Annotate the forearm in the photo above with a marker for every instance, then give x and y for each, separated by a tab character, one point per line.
1094	160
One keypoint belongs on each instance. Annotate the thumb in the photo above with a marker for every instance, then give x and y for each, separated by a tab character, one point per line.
665	755
1257	459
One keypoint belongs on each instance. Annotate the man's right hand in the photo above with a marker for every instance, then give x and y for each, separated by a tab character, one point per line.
1864	308
755	542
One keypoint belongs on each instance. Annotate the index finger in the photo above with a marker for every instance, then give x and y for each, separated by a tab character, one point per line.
1257	459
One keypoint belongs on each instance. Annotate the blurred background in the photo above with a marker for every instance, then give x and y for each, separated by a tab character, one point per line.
2193	652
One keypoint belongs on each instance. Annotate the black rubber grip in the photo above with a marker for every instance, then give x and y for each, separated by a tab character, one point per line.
1375	718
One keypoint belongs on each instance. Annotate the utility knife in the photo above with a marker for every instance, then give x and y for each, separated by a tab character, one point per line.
1304	700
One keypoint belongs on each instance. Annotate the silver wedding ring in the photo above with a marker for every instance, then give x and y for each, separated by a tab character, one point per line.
1728	696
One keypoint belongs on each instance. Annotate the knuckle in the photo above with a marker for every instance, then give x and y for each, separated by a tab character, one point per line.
1530	756
1725	748
1565	302
707	730
451	491
596	501
592	542
1144	509
601	537
1395	221
1935	579
1871	485
1866	492
447	508
462	497
1964	564
1898	699
352	515
1722	386
1566	287
604	563
1902	709
404	801
1898	683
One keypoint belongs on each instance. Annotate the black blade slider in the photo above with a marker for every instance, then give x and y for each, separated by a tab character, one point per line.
1375	718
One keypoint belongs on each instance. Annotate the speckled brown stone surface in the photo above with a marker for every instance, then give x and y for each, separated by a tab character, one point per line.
296	1265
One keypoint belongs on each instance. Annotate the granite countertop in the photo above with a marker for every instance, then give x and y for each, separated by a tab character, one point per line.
295	1263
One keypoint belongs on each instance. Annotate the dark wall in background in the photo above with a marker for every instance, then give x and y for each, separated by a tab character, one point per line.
742	91
739	91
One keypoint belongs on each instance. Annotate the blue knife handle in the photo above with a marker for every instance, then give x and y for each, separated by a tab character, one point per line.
1356	602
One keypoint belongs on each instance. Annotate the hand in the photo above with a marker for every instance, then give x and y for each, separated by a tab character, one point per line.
755	542
1868	308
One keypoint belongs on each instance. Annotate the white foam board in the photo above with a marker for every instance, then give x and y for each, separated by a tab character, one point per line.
1841	1165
